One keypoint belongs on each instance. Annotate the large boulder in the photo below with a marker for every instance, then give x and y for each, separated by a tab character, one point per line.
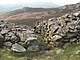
18	48
31	44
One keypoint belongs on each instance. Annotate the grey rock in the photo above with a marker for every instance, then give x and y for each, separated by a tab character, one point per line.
60	51
11	34
8	44
7	38
14	39
73	40
22	37
31	44
33	48
77	14
18	48
31	39
29	32
4	31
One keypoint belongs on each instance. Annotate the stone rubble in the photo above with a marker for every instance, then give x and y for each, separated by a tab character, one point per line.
59	31
19	38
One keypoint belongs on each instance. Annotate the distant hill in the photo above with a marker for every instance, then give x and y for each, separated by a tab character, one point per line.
29	15
11	7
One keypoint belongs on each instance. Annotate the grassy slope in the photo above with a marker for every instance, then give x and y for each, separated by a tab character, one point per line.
69	54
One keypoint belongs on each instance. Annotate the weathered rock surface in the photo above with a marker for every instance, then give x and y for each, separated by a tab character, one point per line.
18	48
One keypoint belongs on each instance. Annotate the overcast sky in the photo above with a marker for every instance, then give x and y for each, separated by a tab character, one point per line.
59	2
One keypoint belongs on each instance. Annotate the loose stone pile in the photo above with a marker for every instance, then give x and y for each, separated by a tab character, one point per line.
61	31
19	38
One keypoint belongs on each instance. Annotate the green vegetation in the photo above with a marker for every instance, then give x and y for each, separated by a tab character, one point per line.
44	43
7	54
69	54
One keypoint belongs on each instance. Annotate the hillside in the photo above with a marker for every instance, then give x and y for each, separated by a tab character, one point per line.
52	34
15	6
29	15
54	39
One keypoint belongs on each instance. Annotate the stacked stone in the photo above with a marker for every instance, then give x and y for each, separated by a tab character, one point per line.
60	31
18	38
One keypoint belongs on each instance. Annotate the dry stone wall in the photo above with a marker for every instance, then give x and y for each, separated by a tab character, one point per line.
60	31
18	38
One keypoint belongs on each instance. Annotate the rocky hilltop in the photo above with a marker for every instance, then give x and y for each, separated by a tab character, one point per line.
61	31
